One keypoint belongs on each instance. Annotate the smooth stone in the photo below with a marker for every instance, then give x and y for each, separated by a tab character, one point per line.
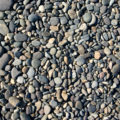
28	110
38	105
87	17
106	20
53	51
63	20
31	89
72	14
2	50
92	108
54	20
80	60
107	51
35	63
105	35
4	60
43	79
1	15
33	17
42	8
53	103
16	62
3	28
31	72
15	73
47	109
15	116
83	27
11	26
37	55
116	69
103	9
25	2
2	73
93	21
23	116
35	43
105	2
5	4
78	105
14	101
94	84
20	80
114	22
58	81
20	37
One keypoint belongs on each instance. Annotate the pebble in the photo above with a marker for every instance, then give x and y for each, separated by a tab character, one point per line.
23	116
15	73
31	89
54	21
43	79
14	101
78	105
1	15
58	81
35	63
53	51
114	22
5	5
83	27
38	105
94	84
64	95
72	14
53	103
41	8
4	60
20	37
97	55
3	28
116	69
80	60
107	51
105	2
92	108
47	109
20	80
31	72
87	17
33	17
63	20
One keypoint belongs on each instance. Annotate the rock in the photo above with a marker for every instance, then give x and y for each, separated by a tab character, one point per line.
53	103
37	55
58	81
33	17
116	69
2	73
20	37
63	20
47	109
97	55
43	79
107	51
1	15
15	73
92	108
93	20
114	22
3	28
31	72
23	116
35	43
64	95
4	60
25	2
15	116
35	63
14	101
20	80
72	14
106	20
87	17
5	4
38	105
28	110
105	2
31	89
11	26
94	84
41	8
81	49
78	105
1	50
54	20
83	27
80	60
53	51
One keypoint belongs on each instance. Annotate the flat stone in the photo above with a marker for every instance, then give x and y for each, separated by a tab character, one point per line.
20	80
47	109
94	84
5	4
4	60
14	101
23	116
57	81
72	14
35	63
97	55
92	108
105	2
53	103
15	73
107	51
114	22
33	17
31	72
54	20
78	105
38	105
3	28
43	79
80	60
63	20
31	89
116	69
87	17
20	37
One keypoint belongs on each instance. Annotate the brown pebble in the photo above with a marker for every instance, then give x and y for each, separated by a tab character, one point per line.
66	59
97	55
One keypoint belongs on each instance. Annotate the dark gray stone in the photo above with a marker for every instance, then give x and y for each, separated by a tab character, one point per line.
33	17
43	79
116	69
54	20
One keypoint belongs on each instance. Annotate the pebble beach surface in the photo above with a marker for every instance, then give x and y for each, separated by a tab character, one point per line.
59	59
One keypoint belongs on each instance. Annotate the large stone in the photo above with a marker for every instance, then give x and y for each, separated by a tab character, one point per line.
14	101
15	73
3	28
4	60
20	37
5	4
43	79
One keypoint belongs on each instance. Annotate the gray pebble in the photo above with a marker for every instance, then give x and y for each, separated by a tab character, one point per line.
80	60
63	20
87	17
14	101
15	73
58	81
35	63
20	37
54	20
20	80
116	69
43	79
33	17
94	84
31	72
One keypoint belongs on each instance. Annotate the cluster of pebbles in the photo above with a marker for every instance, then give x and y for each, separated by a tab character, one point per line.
59	59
